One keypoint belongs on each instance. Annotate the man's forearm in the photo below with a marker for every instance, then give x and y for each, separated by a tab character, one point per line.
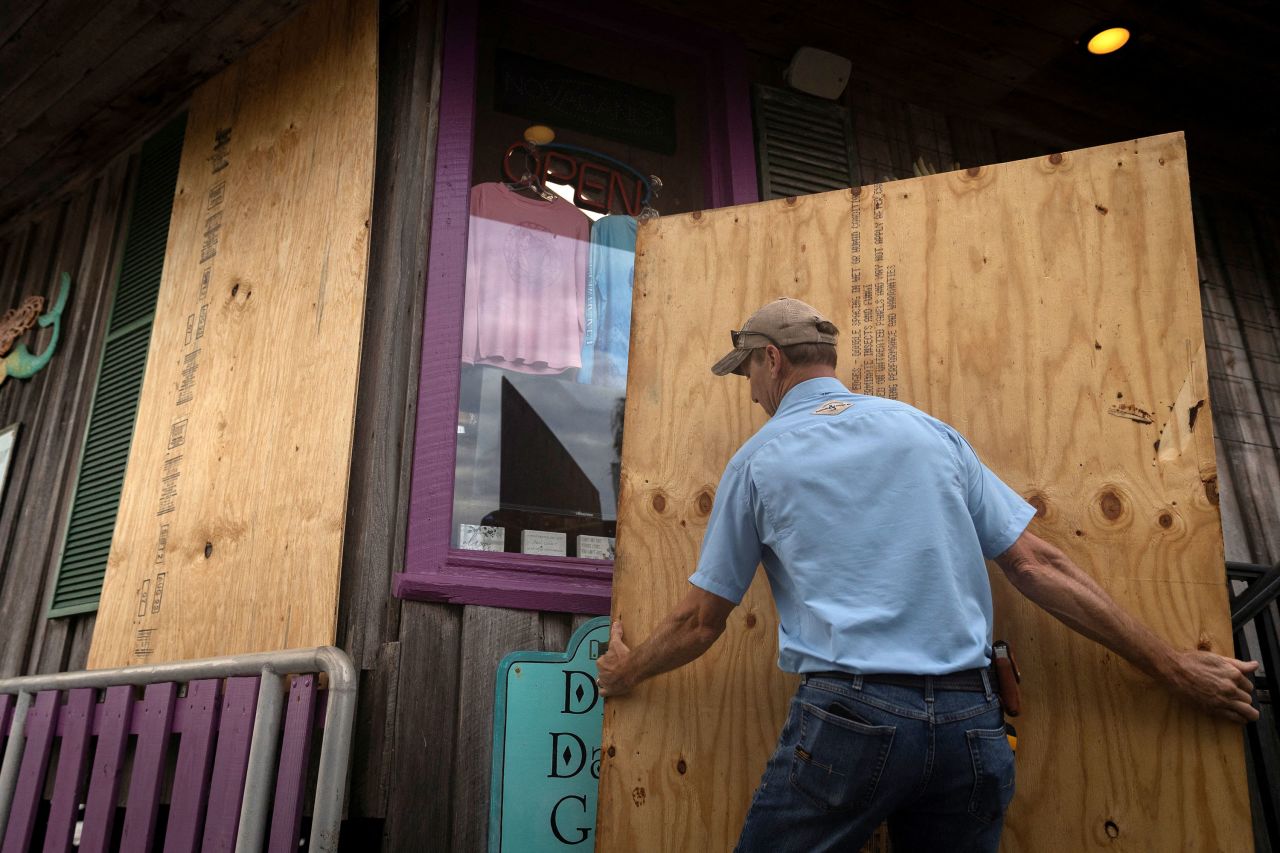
680	638
684	634
1049	578
1054	582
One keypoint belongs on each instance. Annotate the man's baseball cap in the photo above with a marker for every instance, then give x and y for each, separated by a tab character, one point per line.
782	322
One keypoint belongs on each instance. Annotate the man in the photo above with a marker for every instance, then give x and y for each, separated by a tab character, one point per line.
873	522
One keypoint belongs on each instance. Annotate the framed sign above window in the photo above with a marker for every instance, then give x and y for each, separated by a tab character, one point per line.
517	445
565	98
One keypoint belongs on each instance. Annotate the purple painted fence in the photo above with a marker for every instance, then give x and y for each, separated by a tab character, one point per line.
155	723
108	763
68	785
295	753
213	725
230	765
195	760
35	761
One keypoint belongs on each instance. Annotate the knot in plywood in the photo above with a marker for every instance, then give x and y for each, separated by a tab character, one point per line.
1111	508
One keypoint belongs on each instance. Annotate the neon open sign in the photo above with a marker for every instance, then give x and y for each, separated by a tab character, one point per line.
596	186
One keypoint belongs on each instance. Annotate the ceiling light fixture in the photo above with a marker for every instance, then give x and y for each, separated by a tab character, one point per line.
1108	41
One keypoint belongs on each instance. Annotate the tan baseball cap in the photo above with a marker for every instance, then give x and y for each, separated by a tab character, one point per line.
783	322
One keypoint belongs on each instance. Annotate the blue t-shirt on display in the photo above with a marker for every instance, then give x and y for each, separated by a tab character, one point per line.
607	318
873	521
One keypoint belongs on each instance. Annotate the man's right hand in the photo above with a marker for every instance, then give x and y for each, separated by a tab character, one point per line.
1219	685
613	678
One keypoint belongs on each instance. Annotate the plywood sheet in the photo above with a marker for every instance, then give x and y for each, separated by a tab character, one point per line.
1048	309
229	535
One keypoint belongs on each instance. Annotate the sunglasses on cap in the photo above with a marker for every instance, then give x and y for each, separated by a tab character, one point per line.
738	335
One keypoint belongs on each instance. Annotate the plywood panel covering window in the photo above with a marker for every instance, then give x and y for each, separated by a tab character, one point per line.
1049	310
230	531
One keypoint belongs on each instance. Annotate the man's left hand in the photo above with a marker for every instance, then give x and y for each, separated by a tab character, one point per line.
612	677
1218	684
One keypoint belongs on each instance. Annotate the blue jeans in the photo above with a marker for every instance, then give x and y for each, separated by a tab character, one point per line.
934	763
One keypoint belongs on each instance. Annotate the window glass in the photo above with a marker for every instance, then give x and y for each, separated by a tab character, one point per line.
550	267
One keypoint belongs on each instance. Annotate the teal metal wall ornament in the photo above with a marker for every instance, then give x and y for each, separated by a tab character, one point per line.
21	363
547	724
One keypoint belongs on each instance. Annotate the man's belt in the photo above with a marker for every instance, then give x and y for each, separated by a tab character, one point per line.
966	680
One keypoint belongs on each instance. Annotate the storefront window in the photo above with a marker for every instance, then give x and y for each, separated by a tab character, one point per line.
525	341
576	140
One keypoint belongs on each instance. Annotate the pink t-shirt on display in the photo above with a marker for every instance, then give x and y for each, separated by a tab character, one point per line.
526	281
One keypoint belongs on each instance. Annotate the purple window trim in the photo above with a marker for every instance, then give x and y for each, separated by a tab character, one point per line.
433	570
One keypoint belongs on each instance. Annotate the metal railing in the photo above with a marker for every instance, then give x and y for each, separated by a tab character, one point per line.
1256	630
262	776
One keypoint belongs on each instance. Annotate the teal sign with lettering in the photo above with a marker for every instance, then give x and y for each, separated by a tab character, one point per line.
547	725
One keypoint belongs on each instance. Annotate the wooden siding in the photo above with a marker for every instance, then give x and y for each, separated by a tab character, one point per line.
369	619
80	233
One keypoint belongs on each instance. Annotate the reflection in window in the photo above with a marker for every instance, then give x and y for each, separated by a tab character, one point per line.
547	322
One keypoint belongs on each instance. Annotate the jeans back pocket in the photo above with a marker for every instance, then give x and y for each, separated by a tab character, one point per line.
993	773
838	759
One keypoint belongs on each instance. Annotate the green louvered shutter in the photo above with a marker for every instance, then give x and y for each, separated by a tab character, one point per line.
124	360
803	144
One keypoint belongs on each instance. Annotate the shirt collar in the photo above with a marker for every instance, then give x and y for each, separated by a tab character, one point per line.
811	389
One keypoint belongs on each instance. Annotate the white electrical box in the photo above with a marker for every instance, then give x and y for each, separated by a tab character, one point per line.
818	72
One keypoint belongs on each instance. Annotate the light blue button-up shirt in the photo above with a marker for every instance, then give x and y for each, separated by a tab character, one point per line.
872	521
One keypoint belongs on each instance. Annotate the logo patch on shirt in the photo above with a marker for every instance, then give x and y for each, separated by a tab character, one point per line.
832	408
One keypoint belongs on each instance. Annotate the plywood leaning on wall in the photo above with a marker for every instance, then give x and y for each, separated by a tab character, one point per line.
230	529
1048	309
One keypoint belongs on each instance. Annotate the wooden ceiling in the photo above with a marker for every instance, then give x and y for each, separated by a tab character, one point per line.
81	79
1208	68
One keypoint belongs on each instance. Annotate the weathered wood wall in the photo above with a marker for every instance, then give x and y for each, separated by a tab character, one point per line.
80	233
1239	281
369	618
